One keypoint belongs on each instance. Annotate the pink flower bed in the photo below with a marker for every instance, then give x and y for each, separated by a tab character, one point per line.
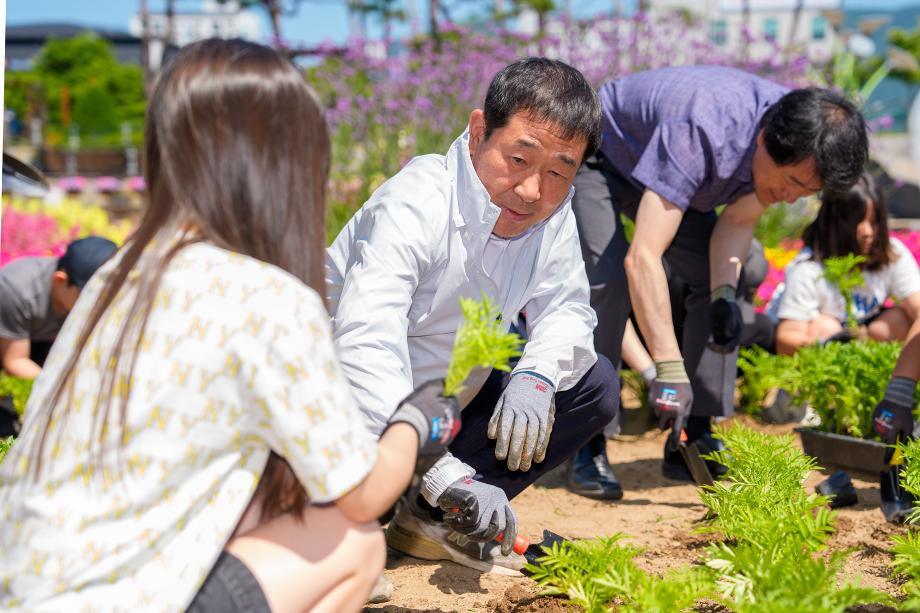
23	234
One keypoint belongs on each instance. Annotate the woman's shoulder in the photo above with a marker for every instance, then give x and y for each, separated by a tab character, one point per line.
260	287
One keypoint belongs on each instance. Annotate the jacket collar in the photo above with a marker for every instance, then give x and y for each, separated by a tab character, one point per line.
474	207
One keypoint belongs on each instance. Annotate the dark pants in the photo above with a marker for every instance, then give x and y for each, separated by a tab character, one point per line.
601	194
581	412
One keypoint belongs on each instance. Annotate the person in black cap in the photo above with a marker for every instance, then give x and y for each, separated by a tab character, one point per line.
36	294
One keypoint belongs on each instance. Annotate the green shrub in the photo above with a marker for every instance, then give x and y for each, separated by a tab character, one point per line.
18	389
906	547
842	382
774	531
5	444
595	573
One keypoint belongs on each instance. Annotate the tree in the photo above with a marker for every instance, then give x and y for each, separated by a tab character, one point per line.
82	74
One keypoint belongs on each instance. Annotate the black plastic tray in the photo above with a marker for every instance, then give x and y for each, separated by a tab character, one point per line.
843	451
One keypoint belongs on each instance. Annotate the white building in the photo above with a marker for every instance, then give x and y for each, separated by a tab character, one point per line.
769	23
214	19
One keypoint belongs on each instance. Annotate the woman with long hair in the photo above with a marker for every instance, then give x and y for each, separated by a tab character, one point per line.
192	443
810	309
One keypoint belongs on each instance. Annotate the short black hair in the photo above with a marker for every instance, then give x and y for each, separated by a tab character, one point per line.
545	90
818	123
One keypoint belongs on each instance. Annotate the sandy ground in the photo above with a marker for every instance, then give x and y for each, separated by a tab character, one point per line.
656	513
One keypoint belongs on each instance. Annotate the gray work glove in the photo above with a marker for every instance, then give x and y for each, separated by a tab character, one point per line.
523	420
479	511
435	417
893	417
671	394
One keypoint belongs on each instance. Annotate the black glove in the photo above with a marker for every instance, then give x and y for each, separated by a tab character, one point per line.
725	322
844	336
893	418
435	417
671	395
480	511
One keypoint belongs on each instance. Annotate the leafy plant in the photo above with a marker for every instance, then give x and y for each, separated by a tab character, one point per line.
594	573
842	382
781	221
845	274
18	389
761	496
480	342
5	444
907	547
773	530
761	371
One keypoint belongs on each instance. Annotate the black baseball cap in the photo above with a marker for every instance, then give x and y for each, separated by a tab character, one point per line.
84	256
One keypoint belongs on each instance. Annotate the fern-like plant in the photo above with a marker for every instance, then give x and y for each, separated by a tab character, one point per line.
18	389
845	274
907	547
480	342
773	530
595	573
5	444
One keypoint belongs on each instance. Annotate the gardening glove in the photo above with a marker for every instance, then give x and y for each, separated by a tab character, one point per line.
480	512
894	415
671	394
523	420
725	322
435	417
844	336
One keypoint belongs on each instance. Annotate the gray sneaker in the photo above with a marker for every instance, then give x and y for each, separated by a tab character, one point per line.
382	592
413	533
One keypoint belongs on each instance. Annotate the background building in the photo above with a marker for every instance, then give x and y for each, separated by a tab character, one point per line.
799	24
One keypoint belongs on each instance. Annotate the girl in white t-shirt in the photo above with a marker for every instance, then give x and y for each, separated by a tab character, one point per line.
809	308
192	443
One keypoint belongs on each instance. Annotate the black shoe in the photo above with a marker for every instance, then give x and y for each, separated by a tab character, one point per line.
674	467
590	474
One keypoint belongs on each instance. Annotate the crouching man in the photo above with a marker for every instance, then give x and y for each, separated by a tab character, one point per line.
492	216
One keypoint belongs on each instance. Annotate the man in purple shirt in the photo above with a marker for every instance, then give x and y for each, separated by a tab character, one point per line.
677	143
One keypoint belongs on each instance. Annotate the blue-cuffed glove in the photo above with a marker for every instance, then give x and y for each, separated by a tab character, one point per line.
435	417
671	395
523	420
893	417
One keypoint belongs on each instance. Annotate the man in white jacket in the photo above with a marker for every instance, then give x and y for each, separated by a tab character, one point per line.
492	216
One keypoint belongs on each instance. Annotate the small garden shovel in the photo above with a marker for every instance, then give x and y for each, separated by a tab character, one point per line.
897	503
691	455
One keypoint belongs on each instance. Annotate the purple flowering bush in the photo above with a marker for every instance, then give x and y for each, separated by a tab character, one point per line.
385	110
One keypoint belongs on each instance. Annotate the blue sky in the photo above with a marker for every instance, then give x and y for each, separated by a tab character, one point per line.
317	21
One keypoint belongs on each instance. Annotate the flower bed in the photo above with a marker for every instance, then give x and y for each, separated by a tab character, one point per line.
33	228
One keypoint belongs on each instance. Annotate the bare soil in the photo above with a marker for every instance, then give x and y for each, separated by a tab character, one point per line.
656	513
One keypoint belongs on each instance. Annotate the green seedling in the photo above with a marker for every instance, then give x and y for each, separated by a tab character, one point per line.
906	547
595	573
845	274
18	389
842	382
480	343
5	444
774	531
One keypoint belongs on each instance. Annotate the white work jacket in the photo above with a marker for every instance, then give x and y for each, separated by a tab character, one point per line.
396	273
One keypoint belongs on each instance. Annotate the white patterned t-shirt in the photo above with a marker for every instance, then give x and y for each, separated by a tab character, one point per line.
237	360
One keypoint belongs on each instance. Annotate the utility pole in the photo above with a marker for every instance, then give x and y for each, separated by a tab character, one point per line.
170	24
145	44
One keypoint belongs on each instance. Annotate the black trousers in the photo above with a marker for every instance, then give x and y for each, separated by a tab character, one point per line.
581	412
601	194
